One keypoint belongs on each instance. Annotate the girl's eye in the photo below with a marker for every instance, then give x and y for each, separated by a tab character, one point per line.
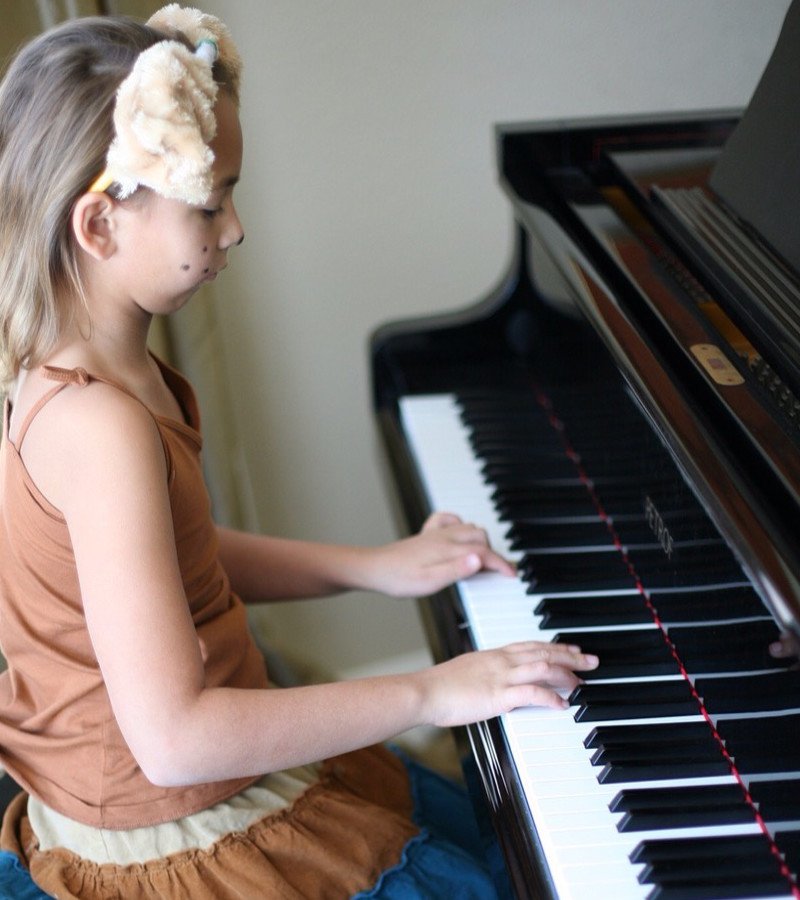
210	213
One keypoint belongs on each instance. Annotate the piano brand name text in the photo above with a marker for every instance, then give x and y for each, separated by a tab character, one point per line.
658	526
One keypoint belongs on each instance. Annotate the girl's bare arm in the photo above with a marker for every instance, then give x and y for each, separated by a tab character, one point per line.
263	568
109	480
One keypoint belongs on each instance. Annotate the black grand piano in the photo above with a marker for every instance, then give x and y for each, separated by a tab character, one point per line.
623	414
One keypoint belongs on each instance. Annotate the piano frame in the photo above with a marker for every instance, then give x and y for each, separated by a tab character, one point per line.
614	319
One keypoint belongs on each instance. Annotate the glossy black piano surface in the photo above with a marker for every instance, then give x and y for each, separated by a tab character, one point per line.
627	408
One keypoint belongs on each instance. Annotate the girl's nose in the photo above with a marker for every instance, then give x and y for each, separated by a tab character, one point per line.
233	233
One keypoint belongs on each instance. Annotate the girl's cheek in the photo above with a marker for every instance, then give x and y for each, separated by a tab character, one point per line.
185	267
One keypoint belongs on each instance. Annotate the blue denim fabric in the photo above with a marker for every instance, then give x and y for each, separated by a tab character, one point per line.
451	857
15	880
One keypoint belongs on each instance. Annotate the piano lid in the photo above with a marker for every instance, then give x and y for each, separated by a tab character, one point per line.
758	172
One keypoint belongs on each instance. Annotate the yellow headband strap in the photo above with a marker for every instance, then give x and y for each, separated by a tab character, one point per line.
102	183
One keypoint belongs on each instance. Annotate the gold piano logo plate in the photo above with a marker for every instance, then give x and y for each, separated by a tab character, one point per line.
714	361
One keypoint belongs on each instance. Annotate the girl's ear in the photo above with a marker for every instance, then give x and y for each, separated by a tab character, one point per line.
93	224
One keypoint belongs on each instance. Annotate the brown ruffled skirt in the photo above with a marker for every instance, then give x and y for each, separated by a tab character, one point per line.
334	841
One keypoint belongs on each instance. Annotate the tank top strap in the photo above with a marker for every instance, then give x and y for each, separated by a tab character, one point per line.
53	373
65	377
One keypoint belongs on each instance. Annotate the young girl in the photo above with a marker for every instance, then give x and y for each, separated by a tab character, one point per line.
136	711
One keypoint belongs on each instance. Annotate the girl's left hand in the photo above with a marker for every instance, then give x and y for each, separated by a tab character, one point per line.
445	550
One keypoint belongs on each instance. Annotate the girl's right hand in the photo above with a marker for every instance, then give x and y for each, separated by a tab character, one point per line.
487	683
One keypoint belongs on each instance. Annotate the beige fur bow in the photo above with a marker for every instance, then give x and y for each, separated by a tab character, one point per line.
164	114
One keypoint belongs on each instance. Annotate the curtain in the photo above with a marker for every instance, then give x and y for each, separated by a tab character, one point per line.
190	340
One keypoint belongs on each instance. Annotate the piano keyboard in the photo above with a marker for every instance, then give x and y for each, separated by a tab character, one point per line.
631	792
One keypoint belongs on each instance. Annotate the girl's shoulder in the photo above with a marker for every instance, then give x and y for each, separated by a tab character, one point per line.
73	431
53	401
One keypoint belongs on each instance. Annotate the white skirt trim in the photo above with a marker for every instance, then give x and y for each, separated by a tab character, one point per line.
198	831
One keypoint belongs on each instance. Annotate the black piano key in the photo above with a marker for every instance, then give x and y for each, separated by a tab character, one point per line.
652	820
734	647
633	700
777	800
624	653
708	604
705	605
581	612
633	666
756	693
739	635
648	735
614	572
689	807
788	842
630	609
492	447
502	467
506	415
630	700
672	506
525	428
720	889
736	879
690	565
618	485
710	849
774	730
771	746
623	773
765	762
517	512
530	535
652	752
560	493
565	564
574	572
695	797
698	873
677	752
688	525
574	503
727	891
730	647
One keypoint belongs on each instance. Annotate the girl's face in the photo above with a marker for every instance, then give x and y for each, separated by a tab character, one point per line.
172	248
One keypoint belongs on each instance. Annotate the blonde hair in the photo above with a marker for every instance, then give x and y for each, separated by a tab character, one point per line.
56	125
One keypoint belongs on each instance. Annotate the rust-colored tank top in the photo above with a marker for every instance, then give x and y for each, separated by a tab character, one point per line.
58	735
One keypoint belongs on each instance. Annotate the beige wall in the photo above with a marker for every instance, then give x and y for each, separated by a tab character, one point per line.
369	194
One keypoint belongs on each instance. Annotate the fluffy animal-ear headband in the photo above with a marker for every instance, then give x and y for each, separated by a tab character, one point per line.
164	113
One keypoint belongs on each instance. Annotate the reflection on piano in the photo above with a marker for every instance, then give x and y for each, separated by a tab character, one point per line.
623	414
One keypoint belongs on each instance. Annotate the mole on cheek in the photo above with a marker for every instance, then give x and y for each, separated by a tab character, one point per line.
185	267
205	249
